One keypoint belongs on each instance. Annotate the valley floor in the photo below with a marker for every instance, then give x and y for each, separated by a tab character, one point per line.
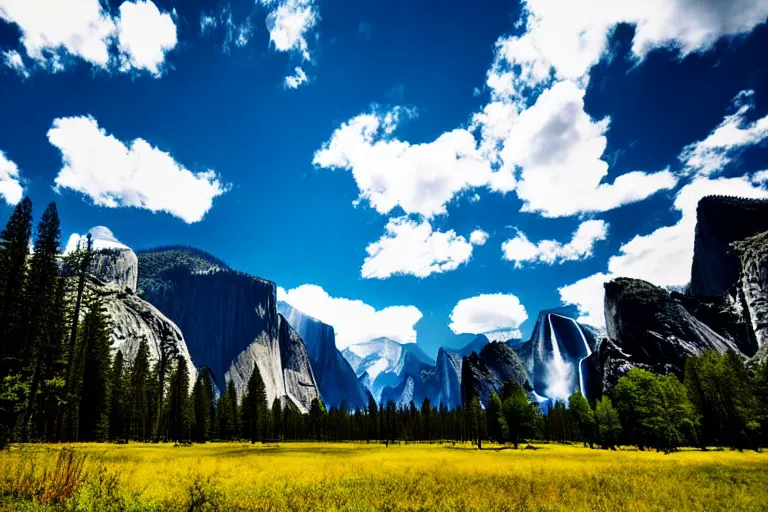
361	477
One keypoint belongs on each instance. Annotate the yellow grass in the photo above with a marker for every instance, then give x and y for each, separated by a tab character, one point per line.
360	477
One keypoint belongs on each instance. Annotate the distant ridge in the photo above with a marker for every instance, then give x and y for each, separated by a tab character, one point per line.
186	249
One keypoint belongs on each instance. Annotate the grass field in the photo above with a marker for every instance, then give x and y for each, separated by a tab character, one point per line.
364	477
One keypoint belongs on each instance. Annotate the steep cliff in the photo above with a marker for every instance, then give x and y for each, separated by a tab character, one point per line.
229	318
335	378
448	367
753	282
132	319
300	384
720	221
649	328
496	364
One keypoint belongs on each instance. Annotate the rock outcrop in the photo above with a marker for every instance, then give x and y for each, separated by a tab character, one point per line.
336	380
229	318
720	221
753	282
647	327
555	354
131	319
448	367
496	364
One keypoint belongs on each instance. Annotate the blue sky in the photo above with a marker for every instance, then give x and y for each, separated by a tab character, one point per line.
402	169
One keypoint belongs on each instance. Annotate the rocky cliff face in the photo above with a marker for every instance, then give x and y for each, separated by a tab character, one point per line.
300	384
229	318
753	283
647	327
720	221
448	367
131	318
554	356
496	364
335	378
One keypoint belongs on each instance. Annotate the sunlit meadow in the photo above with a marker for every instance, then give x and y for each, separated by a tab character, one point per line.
307	476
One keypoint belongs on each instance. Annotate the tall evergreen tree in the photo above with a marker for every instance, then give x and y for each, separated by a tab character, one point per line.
277	419
256	406
203	405
608	423
179	407
140	394
14	250
117	401
585	418
42	311
519	413
78	264
497	425
168	352
373	419
93	409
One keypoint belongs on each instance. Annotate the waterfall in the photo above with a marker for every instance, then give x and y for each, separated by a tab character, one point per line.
559	371
582	388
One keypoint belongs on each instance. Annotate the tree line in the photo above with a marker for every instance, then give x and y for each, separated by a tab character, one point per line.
59	381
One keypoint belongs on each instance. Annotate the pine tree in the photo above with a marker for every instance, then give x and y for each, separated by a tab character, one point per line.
519	413
373	419
93	419
179	408
168	352
204	410
140	394
78	263
277	419
42	311
14	250
255	403
117	402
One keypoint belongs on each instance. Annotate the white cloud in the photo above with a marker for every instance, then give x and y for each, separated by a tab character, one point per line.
289	22
420	178
495	312
296	79
207	23
478	237
54	29
662	257
353	321
760	177
565	39
734	133
115	174
144	36
13	60
10	185
413	248
519	249
558	148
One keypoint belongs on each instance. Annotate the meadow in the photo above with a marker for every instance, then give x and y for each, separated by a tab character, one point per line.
362	477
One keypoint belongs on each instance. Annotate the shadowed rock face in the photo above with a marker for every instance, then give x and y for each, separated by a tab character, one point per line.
448	367
336	380
648	328
753	282
492	367
720	221
229	318
300	384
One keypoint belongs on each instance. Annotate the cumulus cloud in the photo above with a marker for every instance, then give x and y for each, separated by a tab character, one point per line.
412	248
13	60
478	237
565	39
733	134
115	174
289	22
353	321
662	257
760	177
558	148
296	79
55	29
144	36
10	184
496	312
519	249
419	178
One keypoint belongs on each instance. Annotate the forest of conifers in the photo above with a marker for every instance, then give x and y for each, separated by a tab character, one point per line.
59	381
